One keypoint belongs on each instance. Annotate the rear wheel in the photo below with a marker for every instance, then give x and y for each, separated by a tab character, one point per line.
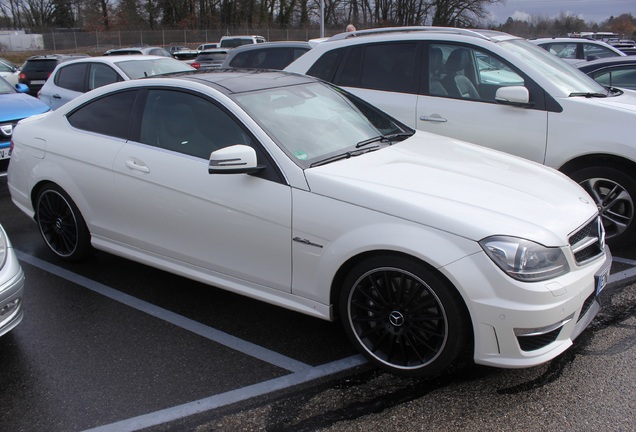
614	193
61	224
402	316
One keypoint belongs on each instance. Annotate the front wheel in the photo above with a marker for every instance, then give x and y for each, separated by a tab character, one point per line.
402	316
61	224
613	192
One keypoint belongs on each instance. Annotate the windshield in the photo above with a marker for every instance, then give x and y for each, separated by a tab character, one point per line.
569	79
144	68
315	121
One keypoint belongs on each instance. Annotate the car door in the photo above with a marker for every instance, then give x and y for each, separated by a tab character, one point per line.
233	226
457	99
383	74
68	83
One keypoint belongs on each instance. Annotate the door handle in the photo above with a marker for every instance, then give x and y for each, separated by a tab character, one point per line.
137	167
57	96
436	118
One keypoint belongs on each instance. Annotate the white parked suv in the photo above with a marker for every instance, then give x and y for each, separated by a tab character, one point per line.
235	41
499	91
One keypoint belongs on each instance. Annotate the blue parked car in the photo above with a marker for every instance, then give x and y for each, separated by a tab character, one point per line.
15	105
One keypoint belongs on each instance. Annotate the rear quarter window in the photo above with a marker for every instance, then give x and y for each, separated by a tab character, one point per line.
72	77
109	115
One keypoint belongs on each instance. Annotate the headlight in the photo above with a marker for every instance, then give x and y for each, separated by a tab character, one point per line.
525	260
3	248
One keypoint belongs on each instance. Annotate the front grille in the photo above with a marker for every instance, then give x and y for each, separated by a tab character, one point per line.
6	130
588	242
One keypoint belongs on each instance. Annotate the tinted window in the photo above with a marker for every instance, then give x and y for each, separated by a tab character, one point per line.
272	58
109	115
389	67
188	124
39	66
72	77
100	75
326	66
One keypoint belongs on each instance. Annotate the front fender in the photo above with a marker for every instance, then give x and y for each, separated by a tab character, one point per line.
323	245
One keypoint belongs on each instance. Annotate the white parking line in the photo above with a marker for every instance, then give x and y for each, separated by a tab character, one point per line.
227	398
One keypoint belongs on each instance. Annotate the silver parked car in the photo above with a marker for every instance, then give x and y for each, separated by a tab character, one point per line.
11	286
73	78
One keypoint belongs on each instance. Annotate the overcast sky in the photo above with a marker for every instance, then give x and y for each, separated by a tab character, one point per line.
587	10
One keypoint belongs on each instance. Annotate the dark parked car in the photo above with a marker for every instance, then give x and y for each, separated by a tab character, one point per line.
612	72
268	55
212	58
37	69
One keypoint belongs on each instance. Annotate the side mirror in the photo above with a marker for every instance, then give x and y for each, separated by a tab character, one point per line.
236	159
22	88
513	95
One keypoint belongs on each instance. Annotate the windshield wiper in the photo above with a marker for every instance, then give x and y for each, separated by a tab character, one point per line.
379	138
345	155
384	138
589	95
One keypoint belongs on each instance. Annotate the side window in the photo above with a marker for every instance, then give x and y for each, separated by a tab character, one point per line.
464	72
241	60
326	66
624	77
188	124
389	67
72	77
563	50
100	75
109	115
591	51
275	58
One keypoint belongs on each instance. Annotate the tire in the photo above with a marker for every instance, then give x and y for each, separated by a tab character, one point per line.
403	317
614	193
61	225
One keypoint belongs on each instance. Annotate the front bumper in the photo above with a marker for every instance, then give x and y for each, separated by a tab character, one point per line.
11	293
518	324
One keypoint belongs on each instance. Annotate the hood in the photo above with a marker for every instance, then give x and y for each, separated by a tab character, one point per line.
459	188
16	106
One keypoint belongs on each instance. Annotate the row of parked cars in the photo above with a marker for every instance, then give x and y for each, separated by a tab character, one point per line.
348	190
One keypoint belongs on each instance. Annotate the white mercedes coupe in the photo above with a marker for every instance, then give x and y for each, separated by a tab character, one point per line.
290	190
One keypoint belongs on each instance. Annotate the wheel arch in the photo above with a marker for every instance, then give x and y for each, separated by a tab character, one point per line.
596	160
347	266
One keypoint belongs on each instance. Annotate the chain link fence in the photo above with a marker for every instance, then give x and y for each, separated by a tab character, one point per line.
99	42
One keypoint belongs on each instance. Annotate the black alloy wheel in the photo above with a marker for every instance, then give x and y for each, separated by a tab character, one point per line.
61	224
402	316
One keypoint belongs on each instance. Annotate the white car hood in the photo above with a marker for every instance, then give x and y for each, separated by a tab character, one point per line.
460	188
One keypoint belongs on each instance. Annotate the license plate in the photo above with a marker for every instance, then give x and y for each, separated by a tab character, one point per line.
601	280
38	81
4	154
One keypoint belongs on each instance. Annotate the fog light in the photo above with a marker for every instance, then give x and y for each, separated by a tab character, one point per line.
9	307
